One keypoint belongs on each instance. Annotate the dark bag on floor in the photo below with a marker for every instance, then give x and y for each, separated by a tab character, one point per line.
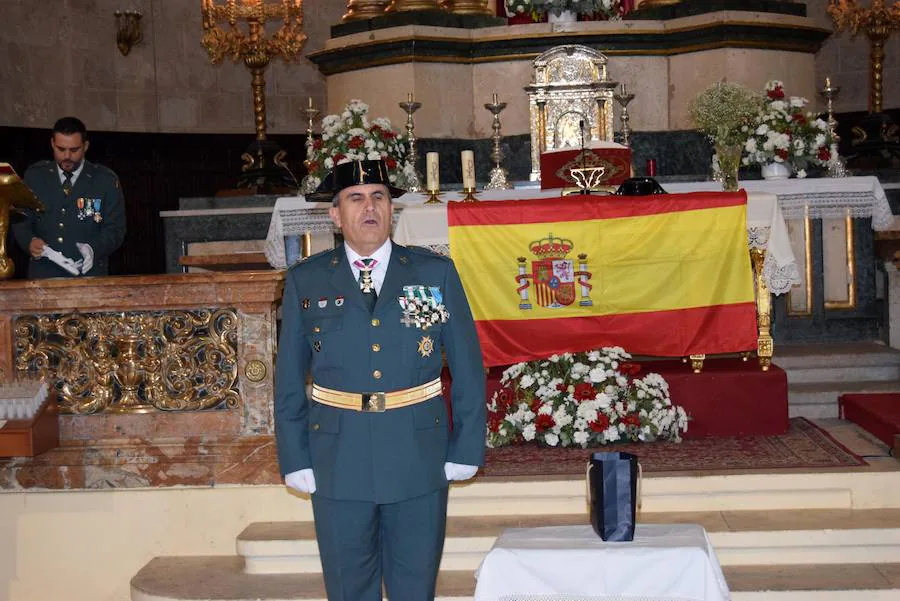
613	491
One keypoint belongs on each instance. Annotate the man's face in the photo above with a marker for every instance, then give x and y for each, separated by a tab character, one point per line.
364	214
68	150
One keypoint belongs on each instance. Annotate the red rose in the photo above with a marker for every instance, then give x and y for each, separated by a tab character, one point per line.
374	128
536	405
495	419
317	143
781	152
389	135
355	142
313	166
776	94
824	154
562	387
391	163
632	419
799	118
585	392
600	424
543	422
630	369
338	157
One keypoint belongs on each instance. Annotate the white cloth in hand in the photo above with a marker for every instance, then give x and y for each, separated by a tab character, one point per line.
458	471
302	481
88	253
60	259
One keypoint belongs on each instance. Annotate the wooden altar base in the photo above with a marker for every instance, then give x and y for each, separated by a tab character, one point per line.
730	397
878	414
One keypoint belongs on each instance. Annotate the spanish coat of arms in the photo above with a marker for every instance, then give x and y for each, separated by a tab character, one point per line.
553	276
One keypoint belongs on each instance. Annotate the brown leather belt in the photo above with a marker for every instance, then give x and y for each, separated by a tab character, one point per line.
376	402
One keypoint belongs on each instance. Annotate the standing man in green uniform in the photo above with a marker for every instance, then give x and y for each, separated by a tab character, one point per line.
373	441
84	220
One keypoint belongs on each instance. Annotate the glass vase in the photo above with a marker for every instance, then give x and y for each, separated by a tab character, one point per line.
729	156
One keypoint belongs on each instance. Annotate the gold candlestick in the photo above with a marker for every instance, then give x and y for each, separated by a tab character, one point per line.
414	182
498	174
256	49
469	195
306	186
434	197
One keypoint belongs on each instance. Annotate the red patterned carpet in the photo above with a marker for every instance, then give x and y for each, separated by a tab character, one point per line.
803	446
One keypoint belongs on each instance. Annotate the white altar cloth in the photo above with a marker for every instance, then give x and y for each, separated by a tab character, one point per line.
426	225
570	563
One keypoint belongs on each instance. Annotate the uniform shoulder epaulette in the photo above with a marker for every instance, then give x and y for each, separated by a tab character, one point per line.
103	170
42	164
312	258
421	250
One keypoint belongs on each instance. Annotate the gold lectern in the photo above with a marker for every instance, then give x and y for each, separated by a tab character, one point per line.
14	194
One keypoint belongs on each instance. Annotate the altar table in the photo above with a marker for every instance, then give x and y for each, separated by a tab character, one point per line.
571	563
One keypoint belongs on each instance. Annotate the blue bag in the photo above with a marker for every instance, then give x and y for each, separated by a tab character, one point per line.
613	492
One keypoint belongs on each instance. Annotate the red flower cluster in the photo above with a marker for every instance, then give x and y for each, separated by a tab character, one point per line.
824	154
776	94
355	142
782	153
632	419
584	392
544	422
630	369
601	423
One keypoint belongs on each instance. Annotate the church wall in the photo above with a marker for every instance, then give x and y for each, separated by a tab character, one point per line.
691	73
62	59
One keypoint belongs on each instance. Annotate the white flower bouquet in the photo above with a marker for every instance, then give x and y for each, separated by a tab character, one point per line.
582	399
785	132
350	136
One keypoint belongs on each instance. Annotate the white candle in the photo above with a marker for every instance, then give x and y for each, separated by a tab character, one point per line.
409	97
495	97
468	169
432	181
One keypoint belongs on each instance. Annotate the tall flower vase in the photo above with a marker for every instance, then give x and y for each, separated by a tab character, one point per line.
566	16
776	171
729	156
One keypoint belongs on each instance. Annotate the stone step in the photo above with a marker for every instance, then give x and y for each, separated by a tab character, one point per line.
739	537
819	400
834	355
218	578
843	374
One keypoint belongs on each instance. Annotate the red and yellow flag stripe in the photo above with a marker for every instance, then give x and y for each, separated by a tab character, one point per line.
667	275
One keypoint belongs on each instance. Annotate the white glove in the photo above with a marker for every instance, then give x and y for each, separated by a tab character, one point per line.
458	471
301	481
60	259
88	253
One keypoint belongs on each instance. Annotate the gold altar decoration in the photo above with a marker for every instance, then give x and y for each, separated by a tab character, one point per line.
14	194
765	345
364	9
255	49
407	5
467	7
133	362
877	22
570	86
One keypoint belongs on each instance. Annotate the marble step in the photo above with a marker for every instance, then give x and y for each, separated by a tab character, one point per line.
819	400
840	355
218	578
739	537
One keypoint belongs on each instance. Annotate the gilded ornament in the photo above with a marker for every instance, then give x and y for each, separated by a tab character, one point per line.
255	370
426	346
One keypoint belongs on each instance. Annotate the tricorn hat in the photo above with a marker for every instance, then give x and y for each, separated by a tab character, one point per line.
354	173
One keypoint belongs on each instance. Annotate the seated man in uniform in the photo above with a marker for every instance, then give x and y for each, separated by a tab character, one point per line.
84	220
373	443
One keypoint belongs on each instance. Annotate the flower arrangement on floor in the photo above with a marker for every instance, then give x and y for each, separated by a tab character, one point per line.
785	132
350	136
582	399
722	112
606	8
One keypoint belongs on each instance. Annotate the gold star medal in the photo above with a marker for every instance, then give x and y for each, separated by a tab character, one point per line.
426	346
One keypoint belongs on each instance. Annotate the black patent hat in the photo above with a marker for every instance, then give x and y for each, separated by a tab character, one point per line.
354	173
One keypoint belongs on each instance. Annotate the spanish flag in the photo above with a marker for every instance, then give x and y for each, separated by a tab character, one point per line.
665	276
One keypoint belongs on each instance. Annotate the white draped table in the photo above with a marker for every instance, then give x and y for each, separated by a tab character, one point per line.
426	225
571	563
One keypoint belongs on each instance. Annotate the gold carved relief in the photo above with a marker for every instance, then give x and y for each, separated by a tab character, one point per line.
133	362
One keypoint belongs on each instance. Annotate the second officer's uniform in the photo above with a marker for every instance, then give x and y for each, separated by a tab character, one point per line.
92	212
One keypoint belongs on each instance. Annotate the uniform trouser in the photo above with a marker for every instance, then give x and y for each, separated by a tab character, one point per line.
363	543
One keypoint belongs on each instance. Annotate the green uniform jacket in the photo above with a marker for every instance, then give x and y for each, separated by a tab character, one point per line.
92	213
328	332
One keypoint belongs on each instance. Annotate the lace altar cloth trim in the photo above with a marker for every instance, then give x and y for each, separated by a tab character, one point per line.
780	275
835	205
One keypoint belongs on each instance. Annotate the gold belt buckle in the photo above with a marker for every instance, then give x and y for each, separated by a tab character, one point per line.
373	402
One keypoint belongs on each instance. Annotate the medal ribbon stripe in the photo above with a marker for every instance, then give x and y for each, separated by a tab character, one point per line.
667	279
